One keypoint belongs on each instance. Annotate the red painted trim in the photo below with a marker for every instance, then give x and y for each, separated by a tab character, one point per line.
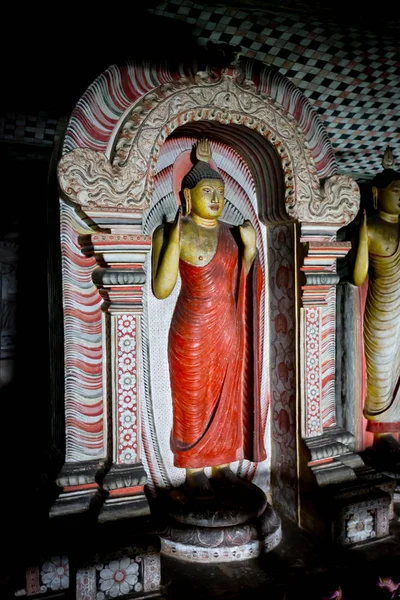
378	427
129	491
76	488
321	461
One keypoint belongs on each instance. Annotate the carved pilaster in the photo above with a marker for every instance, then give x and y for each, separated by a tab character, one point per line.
347	490
120	278
318	334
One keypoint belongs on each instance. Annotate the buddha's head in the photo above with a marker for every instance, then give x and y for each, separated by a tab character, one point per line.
386	186
386	191
203	187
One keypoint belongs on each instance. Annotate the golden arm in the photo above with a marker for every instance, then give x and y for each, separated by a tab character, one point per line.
248	235
165	259
362	262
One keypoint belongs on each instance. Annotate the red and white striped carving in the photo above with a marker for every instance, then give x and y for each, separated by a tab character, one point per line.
95	124
328	340
97	114
83	345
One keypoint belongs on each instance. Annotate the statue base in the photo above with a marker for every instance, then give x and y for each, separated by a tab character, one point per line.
229	521
222	544
384	457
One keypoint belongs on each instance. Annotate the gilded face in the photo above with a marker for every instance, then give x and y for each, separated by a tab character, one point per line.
207	198
389	198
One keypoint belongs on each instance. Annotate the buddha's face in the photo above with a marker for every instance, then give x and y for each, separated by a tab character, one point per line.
389	198
207	198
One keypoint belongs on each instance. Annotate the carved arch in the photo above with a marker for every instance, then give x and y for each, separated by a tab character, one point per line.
107	169
124	184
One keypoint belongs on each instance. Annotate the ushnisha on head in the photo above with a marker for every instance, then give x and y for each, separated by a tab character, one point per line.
203	187
386	186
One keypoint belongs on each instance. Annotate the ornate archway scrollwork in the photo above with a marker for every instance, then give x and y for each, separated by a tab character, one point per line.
125	184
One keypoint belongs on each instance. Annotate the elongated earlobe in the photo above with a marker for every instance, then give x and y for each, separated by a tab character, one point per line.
188	201
375	197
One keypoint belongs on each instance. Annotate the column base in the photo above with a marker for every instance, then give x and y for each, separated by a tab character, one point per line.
80	492
348	501
125	498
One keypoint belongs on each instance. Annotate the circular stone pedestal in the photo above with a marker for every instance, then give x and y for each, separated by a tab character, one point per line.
226	502
222	544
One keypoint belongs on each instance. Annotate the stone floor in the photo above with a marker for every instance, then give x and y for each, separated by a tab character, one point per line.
299	568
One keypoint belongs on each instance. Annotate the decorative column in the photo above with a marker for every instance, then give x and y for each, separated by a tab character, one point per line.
318	333
120	278
355	500
319	426
107	173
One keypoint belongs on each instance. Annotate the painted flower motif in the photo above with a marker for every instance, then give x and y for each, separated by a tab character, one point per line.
312	376
313	408
127	381
55	573
118	578
127	419
312	361
126	400
126	362
312	331
360	527
387	584
313	423
126	324
127	455
336	595
281	324
127	438
312	316
312	391
127	343
282	277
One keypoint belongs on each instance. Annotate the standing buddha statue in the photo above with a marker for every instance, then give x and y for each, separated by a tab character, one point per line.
378	256
213	344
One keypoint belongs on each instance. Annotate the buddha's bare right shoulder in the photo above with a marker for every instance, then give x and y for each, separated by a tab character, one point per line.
187	227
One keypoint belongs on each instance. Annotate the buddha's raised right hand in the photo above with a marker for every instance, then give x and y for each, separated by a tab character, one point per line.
165	258
362	260
176	227
364	228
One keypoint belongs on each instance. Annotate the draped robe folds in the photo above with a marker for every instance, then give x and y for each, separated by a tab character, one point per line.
214	360
382	344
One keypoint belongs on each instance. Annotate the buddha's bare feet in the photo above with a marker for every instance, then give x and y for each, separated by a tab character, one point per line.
385	454
224	472
197	481
388	445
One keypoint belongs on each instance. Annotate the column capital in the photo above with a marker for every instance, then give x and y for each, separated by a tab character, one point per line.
319	268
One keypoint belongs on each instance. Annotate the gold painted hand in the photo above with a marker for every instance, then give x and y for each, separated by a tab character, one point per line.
362	259
165	262
364	228
248	235
176	227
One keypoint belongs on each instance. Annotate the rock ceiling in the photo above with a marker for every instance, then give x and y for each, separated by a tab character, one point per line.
346	62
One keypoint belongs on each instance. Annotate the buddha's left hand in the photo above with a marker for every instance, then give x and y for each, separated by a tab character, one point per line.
248	235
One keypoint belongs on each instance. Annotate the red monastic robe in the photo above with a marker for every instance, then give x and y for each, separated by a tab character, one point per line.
214	359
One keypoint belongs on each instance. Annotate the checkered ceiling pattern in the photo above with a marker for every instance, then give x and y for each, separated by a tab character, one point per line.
40	129
350	76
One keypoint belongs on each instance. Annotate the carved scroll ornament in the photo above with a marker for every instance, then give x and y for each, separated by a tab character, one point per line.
125	184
